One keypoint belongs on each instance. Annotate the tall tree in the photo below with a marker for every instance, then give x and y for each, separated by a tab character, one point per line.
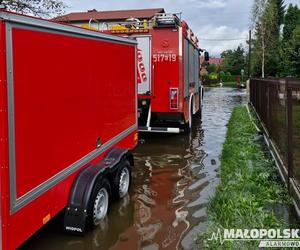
44	8
266	20
258	13
291	20
289	42
280	11
295	52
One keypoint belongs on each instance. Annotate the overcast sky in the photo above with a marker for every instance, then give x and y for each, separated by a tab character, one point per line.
209	19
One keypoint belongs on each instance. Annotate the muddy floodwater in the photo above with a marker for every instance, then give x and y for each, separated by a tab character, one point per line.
173	178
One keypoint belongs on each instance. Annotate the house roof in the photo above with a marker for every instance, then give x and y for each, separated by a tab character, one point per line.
216	60
109	15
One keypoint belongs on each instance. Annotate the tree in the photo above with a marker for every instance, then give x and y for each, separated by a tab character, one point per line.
42	8
212	68
294	52
267	19
280	12
289	44
258	11
291	20
234	60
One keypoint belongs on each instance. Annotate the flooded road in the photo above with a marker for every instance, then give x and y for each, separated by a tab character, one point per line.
173	178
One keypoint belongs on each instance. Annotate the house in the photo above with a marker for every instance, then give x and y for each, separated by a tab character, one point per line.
101	20
216	60
213	60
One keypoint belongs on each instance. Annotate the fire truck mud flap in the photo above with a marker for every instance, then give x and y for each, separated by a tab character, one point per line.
159	130
76	211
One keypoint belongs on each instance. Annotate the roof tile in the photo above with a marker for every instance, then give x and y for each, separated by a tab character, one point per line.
109	15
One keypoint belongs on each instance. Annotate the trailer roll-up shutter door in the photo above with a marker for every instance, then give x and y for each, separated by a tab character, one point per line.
144	70
191	67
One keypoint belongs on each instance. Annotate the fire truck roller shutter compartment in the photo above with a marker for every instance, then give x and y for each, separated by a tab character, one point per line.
144	57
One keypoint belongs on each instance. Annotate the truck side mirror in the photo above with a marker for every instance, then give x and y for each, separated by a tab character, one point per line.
206	56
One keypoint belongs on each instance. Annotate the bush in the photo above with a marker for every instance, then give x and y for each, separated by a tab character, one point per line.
222	74
229	78
213	76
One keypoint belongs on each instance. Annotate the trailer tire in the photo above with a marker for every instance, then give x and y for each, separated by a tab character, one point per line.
122	180
99	202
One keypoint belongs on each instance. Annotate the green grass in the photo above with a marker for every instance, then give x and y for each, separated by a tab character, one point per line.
230	84
225	85
249	186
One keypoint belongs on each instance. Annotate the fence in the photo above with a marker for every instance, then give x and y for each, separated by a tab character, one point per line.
277	103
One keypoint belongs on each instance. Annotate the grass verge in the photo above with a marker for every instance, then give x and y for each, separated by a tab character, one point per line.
230	84
249	190
225	85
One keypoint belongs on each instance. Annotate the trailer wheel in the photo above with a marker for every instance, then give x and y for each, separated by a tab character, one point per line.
99	202
122	180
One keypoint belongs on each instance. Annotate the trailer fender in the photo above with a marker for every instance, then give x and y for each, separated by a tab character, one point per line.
77	207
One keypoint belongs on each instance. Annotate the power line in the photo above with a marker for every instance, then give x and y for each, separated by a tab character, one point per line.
221	39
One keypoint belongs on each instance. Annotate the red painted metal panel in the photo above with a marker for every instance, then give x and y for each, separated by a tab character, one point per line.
67	94
165	59
4	193
168	69
29	219
109	15
68	91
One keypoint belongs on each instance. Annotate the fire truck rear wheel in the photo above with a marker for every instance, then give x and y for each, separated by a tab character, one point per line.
188	125
99	202
198	114
122	180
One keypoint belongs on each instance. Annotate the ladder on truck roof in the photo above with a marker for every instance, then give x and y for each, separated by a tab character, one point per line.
167	19
135	25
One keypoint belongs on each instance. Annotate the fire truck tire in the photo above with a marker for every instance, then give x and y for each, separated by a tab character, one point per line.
122	180
186	129
198	114
99	202
188	125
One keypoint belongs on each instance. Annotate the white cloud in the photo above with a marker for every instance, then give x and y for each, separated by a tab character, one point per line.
205	4
207	18
221	32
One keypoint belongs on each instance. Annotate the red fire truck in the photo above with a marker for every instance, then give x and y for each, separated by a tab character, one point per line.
67	123
169	90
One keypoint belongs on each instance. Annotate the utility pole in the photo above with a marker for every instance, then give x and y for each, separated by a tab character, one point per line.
249	55
263	53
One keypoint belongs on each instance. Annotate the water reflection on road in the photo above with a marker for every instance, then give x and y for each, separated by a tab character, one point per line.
173	178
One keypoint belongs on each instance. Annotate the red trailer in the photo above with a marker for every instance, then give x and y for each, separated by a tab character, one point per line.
169	90
68	118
